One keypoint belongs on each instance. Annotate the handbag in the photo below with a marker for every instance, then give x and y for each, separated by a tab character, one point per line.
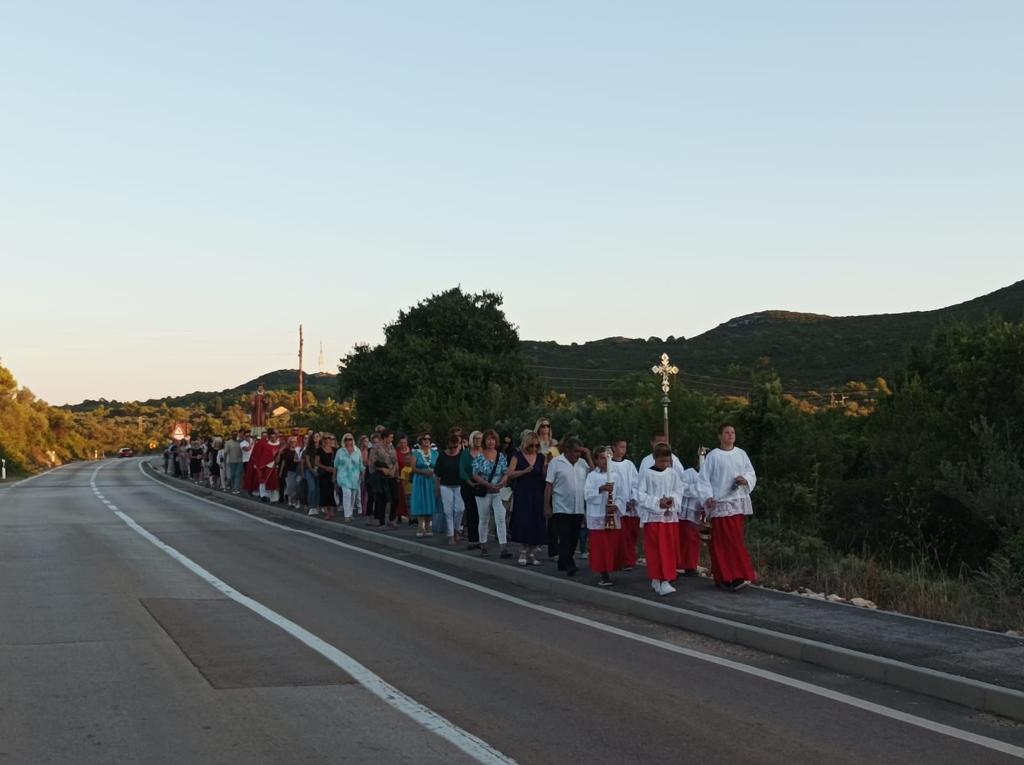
481	491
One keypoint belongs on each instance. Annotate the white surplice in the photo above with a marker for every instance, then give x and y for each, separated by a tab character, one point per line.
720	471
653	486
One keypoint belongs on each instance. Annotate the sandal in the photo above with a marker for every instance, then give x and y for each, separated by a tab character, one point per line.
522	559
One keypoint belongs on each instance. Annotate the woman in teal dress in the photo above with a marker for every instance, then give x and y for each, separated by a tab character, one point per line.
424	486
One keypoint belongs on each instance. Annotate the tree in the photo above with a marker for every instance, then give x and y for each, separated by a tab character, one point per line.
452	358
328	416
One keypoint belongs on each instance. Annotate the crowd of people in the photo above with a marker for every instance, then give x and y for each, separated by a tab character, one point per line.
544	495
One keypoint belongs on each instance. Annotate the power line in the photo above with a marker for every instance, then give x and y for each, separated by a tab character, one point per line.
714	378
592	380
589	375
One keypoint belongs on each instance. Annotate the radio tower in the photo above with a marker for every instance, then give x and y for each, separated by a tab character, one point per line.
320	359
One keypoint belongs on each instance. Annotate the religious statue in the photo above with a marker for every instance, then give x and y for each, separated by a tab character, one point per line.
259	409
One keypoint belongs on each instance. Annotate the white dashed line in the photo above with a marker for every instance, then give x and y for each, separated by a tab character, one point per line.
474	747
764	674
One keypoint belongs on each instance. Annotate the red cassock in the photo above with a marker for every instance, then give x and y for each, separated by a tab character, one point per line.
689	545
729	557
604	548
262	464
661	545
628	537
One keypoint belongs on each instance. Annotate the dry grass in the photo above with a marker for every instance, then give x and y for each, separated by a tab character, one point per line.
786	560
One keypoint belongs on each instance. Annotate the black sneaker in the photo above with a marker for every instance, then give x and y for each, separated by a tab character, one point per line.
605	581
484	553
739	584
474	546
572	571
690	572
505	554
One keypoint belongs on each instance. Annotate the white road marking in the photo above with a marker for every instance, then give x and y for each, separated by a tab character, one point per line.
24	481
764	674
476	748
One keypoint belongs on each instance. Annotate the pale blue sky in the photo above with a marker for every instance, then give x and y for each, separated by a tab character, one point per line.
663	166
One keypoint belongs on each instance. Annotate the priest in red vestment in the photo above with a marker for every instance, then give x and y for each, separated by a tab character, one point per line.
264	454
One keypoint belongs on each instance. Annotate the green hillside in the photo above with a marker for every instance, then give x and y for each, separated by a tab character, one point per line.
321	385
809	351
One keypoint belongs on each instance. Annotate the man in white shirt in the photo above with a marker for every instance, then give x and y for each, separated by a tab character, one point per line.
731	477
245	441
564	499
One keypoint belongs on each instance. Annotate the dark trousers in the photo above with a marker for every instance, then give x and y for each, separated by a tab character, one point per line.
552	537
385	501
567	527
471	517
371	496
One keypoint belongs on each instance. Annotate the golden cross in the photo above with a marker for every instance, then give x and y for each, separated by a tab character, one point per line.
667	371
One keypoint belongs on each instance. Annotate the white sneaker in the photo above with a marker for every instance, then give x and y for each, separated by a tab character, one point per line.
656	585
666	589
314	511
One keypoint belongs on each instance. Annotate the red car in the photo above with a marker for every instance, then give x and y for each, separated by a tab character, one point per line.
126	452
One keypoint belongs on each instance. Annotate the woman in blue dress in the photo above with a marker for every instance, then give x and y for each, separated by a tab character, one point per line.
526	474
424	486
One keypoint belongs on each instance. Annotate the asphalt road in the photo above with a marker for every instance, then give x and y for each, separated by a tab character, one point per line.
112	651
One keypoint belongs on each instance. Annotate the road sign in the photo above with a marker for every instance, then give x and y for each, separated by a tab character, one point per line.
179	431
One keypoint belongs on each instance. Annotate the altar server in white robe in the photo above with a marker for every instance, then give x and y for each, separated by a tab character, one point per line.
731	476
625	475
659	498
646	462
604	495
696	492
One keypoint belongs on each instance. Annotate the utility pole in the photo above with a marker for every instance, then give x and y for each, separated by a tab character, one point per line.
301	395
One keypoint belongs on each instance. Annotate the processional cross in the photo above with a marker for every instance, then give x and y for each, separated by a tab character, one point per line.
667	370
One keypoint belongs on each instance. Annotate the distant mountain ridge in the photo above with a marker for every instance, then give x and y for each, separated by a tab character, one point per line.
809	351
321	384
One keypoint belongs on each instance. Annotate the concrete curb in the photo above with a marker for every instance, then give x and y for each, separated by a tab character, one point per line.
975	694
